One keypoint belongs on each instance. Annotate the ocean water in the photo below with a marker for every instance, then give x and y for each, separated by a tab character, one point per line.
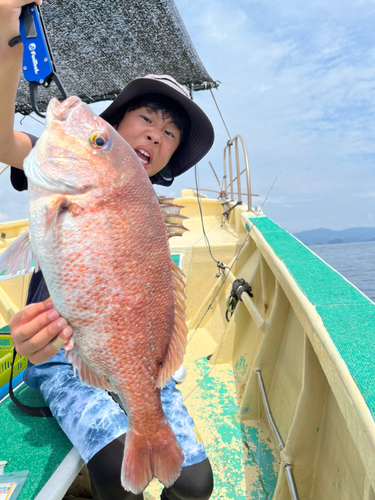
355	261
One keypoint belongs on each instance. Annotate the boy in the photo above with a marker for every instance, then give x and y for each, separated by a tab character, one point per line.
169	134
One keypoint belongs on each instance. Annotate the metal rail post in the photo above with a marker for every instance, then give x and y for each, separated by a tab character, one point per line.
287	467
238	177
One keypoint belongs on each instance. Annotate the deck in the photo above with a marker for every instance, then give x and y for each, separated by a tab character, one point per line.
307	329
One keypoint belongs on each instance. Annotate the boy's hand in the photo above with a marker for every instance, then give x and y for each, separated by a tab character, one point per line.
10	11
14	145
39	332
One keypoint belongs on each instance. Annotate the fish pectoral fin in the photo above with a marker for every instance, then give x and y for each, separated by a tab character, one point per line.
177	344
18	257
55	207
86	375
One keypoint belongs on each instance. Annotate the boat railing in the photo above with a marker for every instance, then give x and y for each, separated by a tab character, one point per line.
235	141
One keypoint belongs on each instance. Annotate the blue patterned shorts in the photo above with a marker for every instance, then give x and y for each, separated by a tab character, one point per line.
92	419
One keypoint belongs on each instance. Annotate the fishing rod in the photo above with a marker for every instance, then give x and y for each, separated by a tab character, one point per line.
3	169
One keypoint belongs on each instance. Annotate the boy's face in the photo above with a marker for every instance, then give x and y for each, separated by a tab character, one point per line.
153	138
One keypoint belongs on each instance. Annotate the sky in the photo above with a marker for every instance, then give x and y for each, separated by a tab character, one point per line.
298	83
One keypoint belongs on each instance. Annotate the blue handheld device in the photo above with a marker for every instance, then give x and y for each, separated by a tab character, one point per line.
38	66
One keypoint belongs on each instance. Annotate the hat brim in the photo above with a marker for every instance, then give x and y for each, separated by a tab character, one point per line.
201	135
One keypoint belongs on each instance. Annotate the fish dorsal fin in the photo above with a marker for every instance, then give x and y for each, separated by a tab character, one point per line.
177	345
172	217
18	257
86	375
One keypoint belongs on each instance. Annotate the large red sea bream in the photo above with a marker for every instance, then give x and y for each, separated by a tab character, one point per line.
99	235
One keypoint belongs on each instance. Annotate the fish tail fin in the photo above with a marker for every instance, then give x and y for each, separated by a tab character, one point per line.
145	458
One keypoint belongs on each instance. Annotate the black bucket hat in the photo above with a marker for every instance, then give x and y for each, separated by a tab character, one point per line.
200	136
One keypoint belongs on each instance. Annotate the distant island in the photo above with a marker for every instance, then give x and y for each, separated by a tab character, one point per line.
328	237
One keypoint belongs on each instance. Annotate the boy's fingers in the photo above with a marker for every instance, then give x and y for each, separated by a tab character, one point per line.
58	343
62	339
45	336
29	312
53	347
49	320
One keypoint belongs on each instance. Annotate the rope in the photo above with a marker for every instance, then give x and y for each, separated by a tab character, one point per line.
199	383
221	116
216	294
234	261
33	117
218	263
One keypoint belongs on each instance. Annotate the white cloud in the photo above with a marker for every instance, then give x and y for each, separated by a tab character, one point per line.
298	83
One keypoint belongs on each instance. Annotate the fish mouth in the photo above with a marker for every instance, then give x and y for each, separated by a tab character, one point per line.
62	110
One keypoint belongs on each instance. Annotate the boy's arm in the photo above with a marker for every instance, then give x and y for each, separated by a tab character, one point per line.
38	331
14	146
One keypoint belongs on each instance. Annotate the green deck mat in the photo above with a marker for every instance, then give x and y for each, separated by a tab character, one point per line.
347	314
176	257
31	443
242	460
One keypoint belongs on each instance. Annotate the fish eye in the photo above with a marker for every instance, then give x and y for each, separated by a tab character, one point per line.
97	140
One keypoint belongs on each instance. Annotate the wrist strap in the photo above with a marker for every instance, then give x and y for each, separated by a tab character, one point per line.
42	411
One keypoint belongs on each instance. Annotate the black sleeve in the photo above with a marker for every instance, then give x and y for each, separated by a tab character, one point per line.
17	176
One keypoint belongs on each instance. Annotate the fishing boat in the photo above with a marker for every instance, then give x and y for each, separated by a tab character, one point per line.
280	358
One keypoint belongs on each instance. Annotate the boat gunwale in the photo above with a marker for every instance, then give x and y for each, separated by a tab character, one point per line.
351	401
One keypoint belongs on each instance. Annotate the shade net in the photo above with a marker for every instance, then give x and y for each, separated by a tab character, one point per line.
98	47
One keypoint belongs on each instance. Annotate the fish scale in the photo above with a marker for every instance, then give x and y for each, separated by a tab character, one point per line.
101	239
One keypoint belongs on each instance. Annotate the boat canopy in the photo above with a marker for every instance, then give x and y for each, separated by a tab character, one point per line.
100	46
